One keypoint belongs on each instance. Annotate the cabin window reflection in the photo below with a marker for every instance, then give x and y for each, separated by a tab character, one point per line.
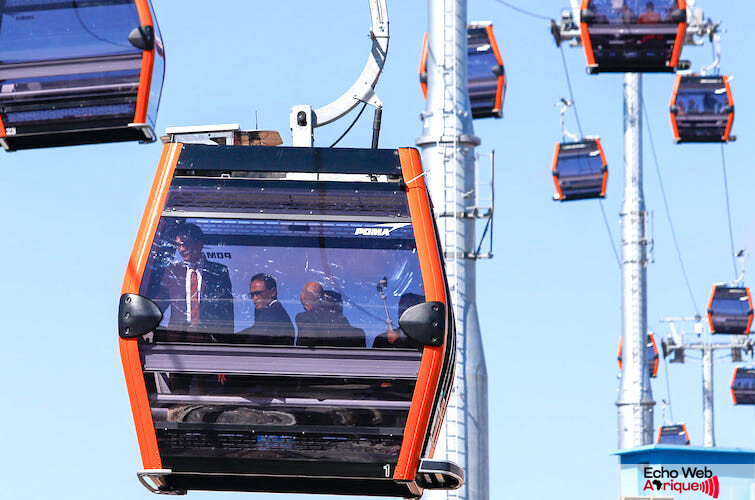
633	11
283	283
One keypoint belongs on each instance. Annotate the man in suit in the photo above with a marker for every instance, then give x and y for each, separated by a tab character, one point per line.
272	324
198	291
322	323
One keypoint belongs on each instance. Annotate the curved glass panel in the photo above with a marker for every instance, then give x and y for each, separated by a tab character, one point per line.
273	343
42	30
633	11
158	73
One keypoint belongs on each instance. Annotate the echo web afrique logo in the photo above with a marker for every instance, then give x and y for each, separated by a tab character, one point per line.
670	480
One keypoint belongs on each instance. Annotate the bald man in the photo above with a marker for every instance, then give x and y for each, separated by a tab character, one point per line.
322	324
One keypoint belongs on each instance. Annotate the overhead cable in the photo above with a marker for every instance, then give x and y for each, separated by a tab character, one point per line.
522	11
728	213
668	210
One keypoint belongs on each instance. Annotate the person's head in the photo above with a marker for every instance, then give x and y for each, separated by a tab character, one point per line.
263	290
408	300
650	6
190	240
311	295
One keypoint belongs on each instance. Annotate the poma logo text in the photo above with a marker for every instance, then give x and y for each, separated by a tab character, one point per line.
380	230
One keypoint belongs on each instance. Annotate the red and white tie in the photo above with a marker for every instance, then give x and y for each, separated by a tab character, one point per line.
194	298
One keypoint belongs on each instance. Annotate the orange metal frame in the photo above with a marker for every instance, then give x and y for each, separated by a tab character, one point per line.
132	367
148	63
423	65
435	290
553	171
502	77
605	166
730	98
674	95
731	385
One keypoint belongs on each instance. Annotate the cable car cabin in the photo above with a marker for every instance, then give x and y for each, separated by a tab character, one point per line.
652	355
633	36
285	324
730	310
743	386
78	72
673	434
580	170
702	109
486	77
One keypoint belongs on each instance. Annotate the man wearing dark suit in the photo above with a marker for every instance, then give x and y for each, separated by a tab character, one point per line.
198	291
322	323
272	324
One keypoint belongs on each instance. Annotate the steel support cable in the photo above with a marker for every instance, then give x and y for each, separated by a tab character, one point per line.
581	133
668	210
668	389
728	212
576	115
522	11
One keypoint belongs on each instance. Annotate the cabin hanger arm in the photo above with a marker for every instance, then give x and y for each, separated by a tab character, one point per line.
304	119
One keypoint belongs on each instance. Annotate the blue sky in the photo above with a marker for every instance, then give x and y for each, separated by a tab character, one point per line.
549	300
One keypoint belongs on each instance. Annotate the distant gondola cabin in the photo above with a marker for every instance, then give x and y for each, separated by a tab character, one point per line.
730	310
486	77
673	434
78	72
652	355
579	170
635	36
743	386
702	109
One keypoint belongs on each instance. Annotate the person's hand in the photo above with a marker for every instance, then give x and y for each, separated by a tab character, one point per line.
392	336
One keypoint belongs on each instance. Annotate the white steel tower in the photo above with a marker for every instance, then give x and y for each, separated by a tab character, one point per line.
448	155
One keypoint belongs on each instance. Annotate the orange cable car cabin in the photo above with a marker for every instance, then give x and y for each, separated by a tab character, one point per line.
673	434
730	310
579	170
743	386
285	323
633	36
652	355
486	77
76	73
702	109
